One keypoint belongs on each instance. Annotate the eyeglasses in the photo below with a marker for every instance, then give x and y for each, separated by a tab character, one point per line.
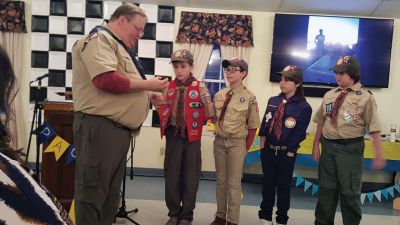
140	31
232	70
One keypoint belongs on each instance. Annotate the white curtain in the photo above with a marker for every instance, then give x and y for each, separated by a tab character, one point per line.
201	55
14	45
229	51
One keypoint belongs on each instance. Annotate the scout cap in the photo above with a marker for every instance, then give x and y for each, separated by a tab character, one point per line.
346	63
292	71
182	55
235	62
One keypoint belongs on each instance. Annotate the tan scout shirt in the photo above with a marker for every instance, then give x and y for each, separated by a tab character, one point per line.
205	97
240	115
357	112
101	54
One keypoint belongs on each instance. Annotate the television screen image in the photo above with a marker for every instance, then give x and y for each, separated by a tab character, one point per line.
315	43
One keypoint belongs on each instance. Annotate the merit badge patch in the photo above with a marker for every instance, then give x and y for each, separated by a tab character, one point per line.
329	108
195	114
195	124
170	92
195	105
193	94
165	112
290	122
347	117
242	99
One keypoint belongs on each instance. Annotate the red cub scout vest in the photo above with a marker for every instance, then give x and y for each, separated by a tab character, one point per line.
194	110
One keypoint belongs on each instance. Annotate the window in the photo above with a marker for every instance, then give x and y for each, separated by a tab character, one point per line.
214	77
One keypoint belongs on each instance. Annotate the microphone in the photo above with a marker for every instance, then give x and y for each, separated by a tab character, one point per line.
41	77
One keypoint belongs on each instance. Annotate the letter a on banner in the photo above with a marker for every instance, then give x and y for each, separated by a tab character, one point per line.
58	146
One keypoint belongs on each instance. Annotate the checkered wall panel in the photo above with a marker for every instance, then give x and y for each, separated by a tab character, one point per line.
57	24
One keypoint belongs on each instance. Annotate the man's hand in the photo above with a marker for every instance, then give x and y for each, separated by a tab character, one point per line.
157	84
157	99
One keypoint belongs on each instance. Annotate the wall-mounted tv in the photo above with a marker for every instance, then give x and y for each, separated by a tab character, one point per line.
315	43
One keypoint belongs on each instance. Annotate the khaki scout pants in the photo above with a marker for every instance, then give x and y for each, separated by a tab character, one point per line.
101	149
340	176
229	154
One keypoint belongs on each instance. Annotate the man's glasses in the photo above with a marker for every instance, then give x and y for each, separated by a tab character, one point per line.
141	32
232	70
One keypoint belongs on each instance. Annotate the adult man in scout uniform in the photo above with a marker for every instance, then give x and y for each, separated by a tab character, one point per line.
344	115
237	120
188	105
111	101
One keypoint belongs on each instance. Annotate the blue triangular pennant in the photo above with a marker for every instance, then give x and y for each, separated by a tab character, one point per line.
45	132
378	195
307	185
363	198
397	187
370	196
390	190
385	193
314	189
299	181
70	154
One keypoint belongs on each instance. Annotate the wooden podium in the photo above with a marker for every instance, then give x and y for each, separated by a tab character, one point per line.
56	176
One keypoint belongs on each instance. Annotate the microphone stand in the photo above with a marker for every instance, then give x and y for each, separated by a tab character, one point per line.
37	117
122	213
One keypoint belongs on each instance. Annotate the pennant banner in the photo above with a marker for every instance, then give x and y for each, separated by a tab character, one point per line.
71	154
370	195
58	146
45	132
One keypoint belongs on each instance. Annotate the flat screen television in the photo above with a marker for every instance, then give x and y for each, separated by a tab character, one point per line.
315	43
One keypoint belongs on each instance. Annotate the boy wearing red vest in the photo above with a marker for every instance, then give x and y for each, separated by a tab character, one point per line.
187	105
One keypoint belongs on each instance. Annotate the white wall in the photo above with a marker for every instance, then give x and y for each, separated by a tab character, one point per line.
148	144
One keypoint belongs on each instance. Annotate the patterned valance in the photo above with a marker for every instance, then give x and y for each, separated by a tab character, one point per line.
210	28
12	16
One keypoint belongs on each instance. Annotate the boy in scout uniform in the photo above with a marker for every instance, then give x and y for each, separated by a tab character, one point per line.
344	115
187	106
110	102
237	120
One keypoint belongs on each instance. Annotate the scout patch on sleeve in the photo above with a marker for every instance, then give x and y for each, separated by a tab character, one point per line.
268	116
253	101
329	108
242	99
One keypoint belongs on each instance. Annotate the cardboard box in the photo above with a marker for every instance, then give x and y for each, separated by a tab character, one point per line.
396	203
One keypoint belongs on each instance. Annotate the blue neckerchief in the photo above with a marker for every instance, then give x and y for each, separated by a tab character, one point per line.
131	52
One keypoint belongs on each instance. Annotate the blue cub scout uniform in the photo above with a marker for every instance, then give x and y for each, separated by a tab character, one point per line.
295	122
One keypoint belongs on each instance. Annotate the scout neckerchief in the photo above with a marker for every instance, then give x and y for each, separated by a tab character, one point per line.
180	119
228	98
277	120
338	102
131	52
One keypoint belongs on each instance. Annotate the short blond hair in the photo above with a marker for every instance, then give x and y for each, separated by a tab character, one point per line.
128	10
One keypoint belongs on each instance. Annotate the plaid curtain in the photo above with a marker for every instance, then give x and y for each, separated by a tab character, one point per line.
211	28
12	16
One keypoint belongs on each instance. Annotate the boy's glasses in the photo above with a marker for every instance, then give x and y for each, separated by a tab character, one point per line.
232	70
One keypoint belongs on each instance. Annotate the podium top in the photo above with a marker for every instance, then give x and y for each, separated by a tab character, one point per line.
58	106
